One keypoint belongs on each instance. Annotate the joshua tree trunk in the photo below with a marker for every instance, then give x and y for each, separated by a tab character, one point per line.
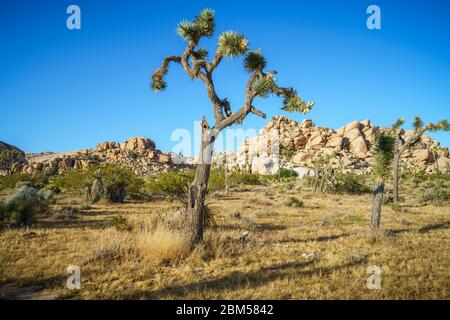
197	190
377	202
396	164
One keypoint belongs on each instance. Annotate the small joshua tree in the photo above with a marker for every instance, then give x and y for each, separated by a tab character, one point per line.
195	63
384	154
402	145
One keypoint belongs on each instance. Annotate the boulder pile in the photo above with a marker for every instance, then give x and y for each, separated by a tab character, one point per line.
348	148
137	153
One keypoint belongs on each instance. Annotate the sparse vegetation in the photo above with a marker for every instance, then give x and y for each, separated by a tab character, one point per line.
22	207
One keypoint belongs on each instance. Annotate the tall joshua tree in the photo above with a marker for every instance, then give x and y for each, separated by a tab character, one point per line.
384	154
194	61
401	145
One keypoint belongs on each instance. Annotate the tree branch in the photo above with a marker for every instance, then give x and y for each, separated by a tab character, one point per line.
257	112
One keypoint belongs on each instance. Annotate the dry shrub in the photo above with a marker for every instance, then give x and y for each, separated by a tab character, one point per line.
162	245
113	245
212	248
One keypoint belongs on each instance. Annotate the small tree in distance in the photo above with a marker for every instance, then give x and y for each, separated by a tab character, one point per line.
402	145
195	63
384	154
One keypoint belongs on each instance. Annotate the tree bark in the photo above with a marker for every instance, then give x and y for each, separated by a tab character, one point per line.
197	190
395	166
377	202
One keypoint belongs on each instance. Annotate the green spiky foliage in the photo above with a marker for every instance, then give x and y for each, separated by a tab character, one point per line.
205	23
202	26
158	84
294	103
200	54
264	85
254	60
232	44
384	155
441	125
418	123
398	124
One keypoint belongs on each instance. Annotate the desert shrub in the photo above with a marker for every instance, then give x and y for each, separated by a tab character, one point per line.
175	183
73	180
22	207
162	245
112	245
350	183
436	191
287	173
18	180
245	178
112	177
293	202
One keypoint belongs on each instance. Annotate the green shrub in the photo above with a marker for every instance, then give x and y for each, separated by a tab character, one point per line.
287	173
245	178
436	191
293	202
112	176
172	183
22	207
350	183
18	180
175	183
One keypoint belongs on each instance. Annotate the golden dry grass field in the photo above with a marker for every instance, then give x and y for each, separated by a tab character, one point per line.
321	250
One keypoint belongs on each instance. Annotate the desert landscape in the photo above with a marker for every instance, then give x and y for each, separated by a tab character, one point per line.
342	197
272	236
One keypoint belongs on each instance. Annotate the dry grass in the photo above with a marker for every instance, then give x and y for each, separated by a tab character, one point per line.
318	251
162	245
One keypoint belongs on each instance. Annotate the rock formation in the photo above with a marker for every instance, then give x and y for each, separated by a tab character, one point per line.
137	153
349	148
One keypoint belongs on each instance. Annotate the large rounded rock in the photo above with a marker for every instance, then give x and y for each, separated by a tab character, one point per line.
444	164
422	155
140	144
103	146
359	147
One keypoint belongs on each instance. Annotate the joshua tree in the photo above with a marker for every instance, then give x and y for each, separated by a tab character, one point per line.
402	145
384	154
194	61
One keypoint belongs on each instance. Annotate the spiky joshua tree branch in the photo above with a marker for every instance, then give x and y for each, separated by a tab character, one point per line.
230	45
260	83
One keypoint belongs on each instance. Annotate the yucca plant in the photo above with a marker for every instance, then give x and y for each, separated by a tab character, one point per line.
402	145
384	154
260	83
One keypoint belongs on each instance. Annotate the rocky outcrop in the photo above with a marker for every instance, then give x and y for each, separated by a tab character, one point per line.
137	153
349	148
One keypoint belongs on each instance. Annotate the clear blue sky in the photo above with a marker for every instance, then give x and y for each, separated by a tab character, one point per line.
65	90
